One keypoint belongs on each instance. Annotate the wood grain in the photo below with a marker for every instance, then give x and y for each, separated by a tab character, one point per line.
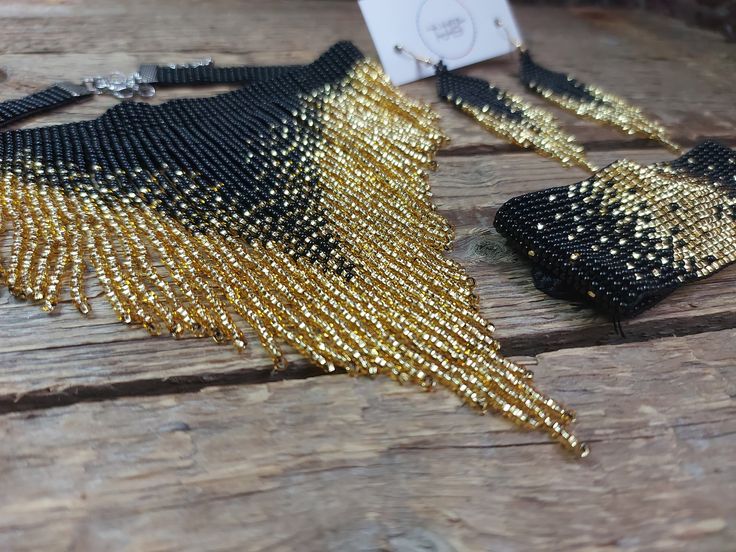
335	463
114	440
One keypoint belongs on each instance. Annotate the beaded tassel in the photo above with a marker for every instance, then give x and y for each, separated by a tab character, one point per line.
510	117
299	207
589	101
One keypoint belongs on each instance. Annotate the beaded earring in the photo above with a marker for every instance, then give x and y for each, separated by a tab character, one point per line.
585	100
506	115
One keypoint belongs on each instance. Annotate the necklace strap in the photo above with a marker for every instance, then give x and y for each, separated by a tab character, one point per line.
56	95
140	84
167	75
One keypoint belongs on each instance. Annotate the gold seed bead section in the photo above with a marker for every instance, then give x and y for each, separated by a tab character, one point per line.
613	110
406	311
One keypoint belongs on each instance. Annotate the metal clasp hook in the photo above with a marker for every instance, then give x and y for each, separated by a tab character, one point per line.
203	62
427	61
125	87
120	85
515	42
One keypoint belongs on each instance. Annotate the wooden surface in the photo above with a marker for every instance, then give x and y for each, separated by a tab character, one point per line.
113	440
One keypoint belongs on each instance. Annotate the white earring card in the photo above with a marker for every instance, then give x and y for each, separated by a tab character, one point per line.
456	32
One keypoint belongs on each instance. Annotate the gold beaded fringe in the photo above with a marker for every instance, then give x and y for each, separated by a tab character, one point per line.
536	129
407	311
613	110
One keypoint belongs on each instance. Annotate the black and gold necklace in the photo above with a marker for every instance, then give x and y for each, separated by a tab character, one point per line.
298	205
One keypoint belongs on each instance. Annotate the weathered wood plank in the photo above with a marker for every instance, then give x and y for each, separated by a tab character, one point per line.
676	73
331	463
64	350
334	463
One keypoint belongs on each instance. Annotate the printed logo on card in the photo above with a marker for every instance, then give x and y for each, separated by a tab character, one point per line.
446	28
456	32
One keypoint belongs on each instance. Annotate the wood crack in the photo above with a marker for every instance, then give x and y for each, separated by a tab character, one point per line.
635	332
516	346
42	399
470	150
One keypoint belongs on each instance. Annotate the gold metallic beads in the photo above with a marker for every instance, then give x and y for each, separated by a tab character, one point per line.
590	102
339	254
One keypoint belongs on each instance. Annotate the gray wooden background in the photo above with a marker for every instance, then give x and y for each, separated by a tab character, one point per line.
114	440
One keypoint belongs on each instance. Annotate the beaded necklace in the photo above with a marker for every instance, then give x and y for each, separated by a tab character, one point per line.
298	205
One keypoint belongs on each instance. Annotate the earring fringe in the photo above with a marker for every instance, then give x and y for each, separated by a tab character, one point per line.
589	101
510	118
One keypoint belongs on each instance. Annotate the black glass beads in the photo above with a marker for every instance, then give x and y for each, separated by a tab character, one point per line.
629	235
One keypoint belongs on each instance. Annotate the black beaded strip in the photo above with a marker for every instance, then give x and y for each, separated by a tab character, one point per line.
55	96
534	75
65	93
629	235
477	92
117	155
212	74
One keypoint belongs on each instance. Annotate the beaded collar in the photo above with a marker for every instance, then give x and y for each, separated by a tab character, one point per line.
298	205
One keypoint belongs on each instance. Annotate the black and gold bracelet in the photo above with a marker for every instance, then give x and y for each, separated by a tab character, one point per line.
628	236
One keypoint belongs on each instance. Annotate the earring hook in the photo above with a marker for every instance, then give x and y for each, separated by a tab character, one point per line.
427	61
516	43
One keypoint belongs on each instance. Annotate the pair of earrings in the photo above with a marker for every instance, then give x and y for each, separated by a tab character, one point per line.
513	119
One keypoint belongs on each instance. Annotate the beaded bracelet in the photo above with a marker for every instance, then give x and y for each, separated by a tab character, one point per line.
628	236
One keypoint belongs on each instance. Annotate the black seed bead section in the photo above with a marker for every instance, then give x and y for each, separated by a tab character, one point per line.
38	102
534	76
211	74
475	92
